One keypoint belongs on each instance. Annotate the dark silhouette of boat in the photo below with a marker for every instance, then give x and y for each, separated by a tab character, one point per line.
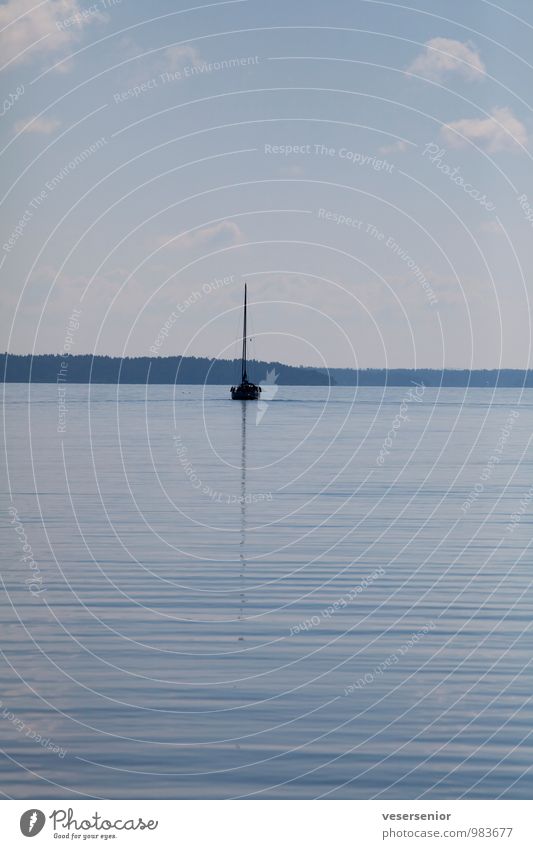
245	391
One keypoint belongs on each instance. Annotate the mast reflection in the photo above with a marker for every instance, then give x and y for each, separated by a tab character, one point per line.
242	542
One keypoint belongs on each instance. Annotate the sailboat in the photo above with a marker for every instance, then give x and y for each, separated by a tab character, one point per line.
245	391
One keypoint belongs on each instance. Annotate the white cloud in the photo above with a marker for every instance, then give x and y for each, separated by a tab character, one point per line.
171	59
491	227
502	131
28	28
175	58
37	125
209	238
443	56
292	170
395	147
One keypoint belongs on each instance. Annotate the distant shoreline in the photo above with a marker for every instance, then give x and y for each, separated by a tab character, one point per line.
85	368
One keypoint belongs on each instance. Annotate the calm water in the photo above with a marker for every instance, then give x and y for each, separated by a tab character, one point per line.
238	602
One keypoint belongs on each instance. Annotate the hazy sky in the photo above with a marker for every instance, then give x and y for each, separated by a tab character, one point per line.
365	166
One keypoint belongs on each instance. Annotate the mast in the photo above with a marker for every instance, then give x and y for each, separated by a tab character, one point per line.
244	377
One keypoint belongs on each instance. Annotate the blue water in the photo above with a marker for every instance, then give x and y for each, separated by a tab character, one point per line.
238	602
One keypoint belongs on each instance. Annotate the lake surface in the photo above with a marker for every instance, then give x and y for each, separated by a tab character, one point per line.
226	600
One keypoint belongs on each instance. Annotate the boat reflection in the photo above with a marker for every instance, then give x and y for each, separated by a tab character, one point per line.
242	542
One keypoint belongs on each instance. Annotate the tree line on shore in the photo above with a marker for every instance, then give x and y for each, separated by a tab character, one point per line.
86	368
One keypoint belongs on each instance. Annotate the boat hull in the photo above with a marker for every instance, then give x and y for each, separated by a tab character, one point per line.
245	392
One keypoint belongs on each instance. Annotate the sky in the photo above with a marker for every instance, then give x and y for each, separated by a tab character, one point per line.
365	166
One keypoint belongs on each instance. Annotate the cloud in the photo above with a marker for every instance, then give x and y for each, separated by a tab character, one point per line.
291	170
395	147
491	227
209	238
502	131
175	58
172	60
443	56
37	125
28	29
